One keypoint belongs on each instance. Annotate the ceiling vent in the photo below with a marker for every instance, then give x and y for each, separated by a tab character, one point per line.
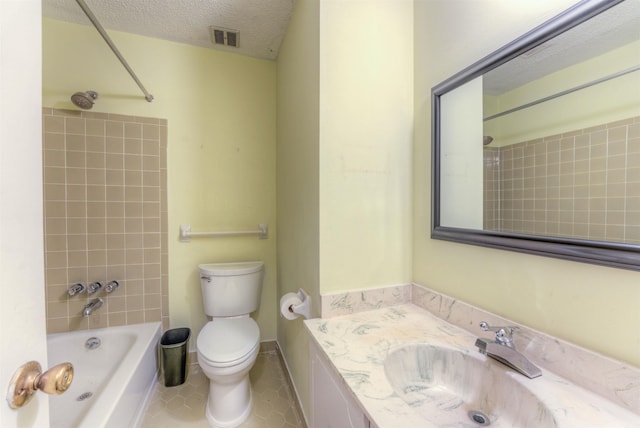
225	36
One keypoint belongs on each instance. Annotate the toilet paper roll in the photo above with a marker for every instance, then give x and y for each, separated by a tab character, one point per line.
287	303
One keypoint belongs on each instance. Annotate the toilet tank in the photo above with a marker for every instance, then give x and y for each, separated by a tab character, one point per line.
231	289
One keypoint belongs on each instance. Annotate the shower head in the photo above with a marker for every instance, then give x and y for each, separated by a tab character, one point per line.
486	140
84	100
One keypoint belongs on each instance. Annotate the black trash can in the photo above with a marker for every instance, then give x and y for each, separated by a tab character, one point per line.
174	346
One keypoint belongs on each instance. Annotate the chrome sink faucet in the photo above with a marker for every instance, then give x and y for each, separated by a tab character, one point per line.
92	306
504	350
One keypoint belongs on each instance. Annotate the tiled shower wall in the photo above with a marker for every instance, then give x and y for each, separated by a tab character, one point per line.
583	184
105	217
491	188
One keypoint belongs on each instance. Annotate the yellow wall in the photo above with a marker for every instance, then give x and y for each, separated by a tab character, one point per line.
298	182
609	101
366	99
344	147
595	307
221	117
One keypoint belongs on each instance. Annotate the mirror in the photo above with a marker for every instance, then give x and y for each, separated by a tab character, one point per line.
536	148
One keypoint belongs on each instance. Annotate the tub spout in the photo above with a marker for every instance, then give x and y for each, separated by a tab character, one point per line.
92	306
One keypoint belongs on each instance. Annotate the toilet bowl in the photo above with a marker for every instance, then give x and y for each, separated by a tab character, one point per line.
227	349
228	345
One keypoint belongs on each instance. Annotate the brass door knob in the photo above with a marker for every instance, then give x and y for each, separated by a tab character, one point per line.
29	378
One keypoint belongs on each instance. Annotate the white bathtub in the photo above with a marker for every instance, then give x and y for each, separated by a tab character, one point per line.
112	383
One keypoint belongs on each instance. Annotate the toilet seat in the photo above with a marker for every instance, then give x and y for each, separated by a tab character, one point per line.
226	342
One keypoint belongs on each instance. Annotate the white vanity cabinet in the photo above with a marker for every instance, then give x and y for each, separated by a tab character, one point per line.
333	404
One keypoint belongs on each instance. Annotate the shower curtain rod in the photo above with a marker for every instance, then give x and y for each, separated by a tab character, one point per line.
105	36
565	92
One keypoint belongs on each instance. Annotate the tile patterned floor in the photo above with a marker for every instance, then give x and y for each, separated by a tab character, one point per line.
184	405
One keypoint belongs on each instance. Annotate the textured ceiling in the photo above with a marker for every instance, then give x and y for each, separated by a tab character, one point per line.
261	23
612	29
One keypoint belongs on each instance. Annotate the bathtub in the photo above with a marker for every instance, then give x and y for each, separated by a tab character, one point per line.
112	382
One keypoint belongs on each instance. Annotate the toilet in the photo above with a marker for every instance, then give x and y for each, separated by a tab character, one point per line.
228	345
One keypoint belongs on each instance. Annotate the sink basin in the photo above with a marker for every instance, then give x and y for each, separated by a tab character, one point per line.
451	388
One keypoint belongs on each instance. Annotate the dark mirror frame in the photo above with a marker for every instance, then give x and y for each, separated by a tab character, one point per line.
611	254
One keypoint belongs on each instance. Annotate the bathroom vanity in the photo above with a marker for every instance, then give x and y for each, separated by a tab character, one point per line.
403	366
334	403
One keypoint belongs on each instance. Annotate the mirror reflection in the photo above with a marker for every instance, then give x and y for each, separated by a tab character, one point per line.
560	131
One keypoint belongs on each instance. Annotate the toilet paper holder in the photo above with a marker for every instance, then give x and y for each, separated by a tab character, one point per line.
297	303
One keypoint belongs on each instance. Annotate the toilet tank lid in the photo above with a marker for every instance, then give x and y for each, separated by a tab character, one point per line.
230	269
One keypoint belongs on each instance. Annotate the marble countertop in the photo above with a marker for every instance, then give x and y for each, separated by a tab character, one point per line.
357	345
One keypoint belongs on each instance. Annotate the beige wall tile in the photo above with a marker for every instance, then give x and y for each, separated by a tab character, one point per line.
570	184
151	209
135	303
75	143
132	146
53	141
134	272
95	127
114	145
97	258
54	158
115	226
116	272
150	132
117	303
135	256
94	209
114	128
134	287
151	240
151	315
53	124
116	257
117	318
151	148
616	134
55	276
150	163
133	194
97	161
150	178
135	317
57	325
95	144
114	177
55	175
114	161
132	130
58	293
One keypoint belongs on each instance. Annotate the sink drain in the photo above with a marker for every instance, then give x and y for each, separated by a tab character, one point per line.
479	418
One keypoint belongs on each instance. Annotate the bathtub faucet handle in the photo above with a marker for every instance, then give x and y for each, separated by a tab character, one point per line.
111	286
94	286
76	289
